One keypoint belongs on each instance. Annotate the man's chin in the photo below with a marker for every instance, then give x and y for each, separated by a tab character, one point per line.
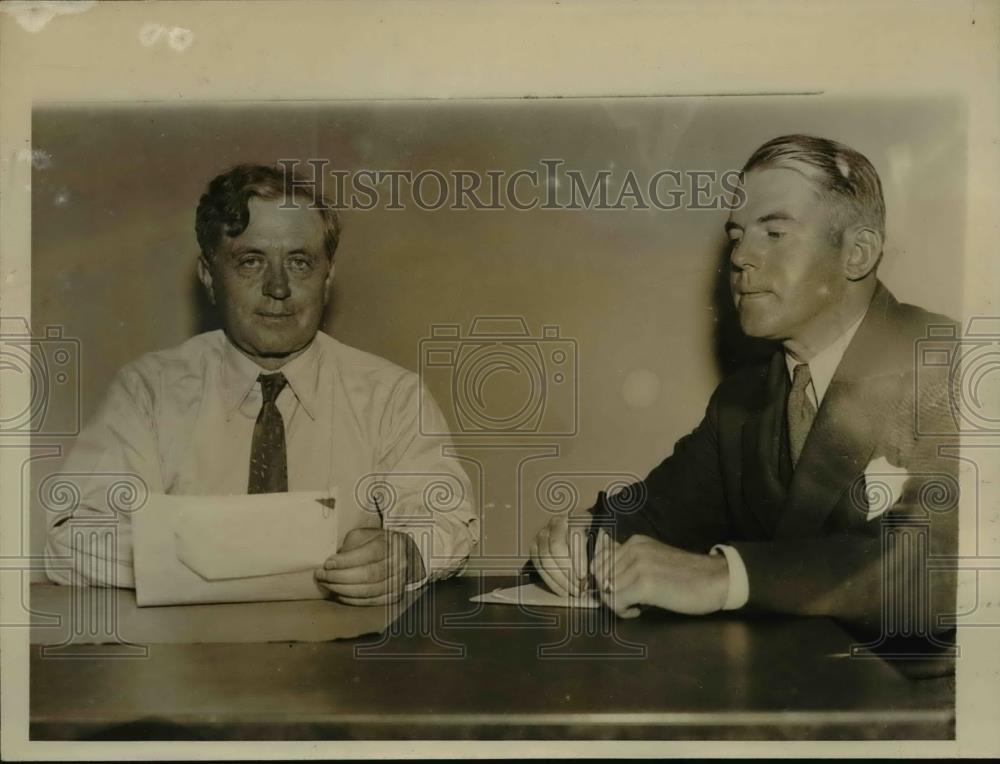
280	349
272	348
756	327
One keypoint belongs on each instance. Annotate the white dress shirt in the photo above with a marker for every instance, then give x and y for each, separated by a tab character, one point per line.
822	367
181	421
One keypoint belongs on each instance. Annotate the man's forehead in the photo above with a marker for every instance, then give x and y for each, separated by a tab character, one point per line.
276	222
770	190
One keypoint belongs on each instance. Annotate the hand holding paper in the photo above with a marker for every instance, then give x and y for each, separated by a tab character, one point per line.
192	549
372	567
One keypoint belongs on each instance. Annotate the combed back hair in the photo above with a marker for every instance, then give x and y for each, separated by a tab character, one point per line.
845	177
224	208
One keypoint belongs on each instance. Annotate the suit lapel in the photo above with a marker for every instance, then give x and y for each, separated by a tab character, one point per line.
763	490
847	426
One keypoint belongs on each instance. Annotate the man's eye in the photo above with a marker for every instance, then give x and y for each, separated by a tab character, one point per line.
250	263
775	234
299	265
734	240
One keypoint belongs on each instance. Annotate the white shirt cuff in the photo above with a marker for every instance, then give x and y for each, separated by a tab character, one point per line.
739	584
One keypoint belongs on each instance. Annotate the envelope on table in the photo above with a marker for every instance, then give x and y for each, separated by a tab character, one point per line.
192	549
534	595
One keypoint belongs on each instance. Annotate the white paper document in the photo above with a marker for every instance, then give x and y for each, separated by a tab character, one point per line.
243	548
534	595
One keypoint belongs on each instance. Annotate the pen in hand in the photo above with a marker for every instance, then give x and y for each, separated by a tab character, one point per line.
601	519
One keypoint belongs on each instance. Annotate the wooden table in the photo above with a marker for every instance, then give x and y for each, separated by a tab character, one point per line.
452	669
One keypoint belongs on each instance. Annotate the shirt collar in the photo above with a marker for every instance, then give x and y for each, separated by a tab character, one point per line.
239	377
824	364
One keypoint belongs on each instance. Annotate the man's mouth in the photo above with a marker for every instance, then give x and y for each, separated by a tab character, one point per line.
747	297
268	314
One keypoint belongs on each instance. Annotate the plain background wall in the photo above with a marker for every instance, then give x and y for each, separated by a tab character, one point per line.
113	251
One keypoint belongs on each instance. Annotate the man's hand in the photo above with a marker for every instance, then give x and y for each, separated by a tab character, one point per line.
559	553
643	571
372	567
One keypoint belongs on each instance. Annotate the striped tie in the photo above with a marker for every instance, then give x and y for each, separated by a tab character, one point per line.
801	411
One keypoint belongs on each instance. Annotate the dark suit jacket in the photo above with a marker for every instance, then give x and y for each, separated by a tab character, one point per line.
805	536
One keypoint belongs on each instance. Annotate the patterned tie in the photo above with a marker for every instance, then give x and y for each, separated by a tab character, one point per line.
801	411
268	460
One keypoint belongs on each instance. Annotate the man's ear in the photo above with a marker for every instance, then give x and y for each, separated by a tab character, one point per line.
205	277
327	282
863	250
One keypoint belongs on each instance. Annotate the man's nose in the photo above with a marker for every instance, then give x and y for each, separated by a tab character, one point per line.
743	256
276	283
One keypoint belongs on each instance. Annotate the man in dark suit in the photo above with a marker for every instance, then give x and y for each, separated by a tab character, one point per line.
806	489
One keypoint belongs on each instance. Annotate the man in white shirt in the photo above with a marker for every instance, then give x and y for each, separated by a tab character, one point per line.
765	506
271	404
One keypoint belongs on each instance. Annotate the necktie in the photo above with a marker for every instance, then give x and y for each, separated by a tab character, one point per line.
268	460
801	411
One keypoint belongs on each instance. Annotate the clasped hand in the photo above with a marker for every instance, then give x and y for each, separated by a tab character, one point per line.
372	567
640	571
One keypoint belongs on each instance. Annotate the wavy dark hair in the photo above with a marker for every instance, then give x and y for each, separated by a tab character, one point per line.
848	181
224	207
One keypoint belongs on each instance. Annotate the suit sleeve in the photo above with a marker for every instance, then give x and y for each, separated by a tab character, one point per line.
681	502
891	573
